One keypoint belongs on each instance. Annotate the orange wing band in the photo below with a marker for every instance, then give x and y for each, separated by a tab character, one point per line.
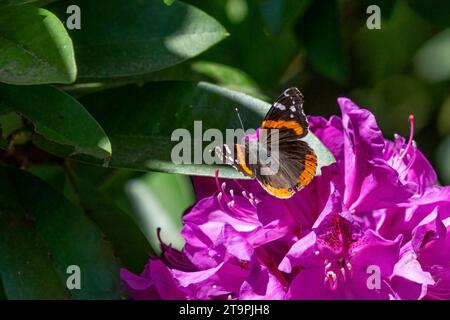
309	171
278	124
279	192
241	160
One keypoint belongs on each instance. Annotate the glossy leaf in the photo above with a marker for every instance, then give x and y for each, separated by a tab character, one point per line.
319	33
380	53
57	117
14	2
42	234
142	139
34	47
125	38
154	205
432	60
121	230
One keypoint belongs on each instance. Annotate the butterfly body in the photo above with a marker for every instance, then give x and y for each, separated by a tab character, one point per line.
277	156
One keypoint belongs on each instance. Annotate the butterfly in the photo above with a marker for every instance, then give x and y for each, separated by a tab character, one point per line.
284	125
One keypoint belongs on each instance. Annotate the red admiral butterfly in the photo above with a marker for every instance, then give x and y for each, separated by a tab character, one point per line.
296	160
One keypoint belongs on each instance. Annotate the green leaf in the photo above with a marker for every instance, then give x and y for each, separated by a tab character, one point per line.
34	47
432	62
227	76
119	227
380	54
141	140
154	204
280	13
437	12
319	32
121	230
399	96
5	3
10	122
42	234
58	118
126	38
252	48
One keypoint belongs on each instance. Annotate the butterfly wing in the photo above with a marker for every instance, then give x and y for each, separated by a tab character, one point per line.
287	112
295	166
237	158
295	161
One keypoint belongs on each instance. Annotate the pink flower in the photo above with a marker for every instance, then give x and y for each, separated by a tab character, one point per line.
375	212
331	262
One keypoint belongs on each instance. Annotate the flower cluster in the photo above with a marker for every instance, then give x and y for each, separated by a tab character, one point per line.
373	225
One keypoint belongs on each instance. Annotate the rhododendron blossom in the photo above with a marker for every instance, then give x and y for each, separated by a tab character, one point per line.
378	207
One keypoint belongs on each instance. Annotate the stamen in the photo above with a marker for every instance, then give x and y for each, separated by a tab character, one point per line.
331	277
413	158
158	235
411	136
343	274
240	213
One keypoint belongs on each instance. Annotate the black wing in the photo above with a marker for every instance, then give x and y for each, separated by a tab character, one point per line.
293	165
287	112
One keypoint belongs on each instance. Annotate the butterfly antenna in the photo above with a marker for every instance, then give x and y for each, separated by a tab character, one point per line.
239	116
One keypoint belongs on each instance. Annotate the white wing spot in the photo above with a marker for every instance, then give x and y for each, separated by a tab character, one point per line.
292	115
279	106
293	109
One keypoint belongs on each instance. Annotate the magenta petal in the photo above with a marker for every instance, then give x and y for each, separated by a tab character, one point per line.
140	288
435	258
309	285
380	188
203	186
330	132
156	282
406	216
409	280
372	249
261	285
207	186
210	216
300	254
236	244
363	141
224	280
420	172
429	229
164	281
